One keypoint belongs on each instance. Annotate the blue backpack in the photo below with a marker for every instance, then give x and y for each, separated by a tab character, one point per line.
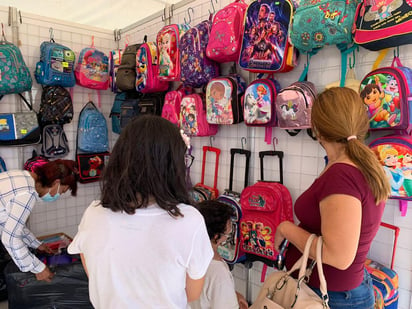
92	132
56	65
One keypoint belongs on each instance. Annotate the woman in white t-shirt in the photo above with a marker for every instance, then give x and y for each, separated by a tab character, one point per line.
219	288
142	244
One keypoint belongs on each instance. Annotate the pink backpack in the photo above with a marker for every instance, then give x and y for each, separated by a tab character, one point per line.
168	44
147	70
193	116
171	106
92	69
226	35
294	105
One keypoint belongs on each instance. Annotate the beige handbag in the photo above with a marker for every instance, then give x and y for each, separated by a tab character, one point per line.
282	291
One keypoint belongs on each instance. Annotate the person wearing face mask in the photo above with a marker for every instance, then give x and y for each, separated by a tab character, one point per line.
19	191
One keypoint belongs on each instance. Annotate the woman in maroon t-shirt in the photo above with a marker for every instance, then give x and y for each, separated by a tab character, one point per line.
344	204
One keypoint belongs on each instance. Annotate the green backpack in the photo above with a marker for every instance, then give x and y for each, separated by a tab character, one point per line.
317	24
15	76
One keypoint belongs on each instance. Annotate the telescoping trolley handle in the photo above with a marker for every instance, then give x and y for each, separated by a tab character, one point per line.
272	153
247	154
217	152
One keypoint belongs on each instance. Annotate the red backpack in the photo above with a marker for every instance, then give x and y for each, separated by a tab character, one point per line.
264	205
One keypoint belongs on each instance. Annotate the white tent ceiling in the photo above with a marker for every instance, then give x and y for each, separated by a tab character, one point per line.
107	14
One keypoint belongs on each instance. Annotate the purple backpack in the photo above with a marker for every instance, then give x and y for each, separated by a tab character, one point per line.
294	105
195	68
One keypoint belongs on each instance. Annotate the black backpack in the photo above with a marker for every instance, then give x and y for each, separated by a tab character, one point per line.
56	106
54	141
126	72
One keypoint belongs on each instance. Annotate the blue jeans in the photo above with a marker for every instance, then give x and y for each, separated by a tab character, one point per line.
361	297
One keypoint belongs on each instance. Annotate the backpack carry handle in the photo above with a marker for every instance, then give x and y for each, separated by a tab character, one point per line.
247	154
217	152
272	153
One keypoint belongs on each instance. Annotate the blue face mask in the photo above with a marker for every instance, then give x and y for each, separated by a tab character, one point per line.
48	198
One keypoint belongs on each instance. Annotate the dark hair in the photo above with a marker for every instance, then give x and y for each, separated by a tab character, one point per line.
216	215
64	170
368	89
147	162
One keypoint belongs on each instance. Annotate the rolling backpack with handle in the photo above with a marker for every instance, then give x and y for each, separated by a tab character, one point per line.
231	250
201	191
264	205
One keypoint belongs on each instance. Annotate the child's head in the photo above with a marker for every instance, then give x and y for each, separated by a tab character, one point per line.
217	91
147	164
217	217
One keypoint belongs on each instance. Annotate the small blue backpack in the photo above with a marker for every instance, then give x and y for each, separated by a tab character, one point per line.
92	132
56	65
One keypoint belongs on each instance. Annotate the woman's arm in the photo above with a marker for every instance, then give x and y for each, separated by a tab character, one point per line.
341	217
193	288
84	264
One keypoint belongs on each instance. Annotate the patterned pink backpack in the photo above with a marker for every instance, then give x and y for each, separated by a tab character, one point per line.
92	69
168	45
294	105
226	34
171	106
147	70
193	116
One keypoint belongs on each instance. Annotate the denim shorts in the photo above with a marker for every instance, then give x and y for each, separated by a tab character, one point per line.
361	297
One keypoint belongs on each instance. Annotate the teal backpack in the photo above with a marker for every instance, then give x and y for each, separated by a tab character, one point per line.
15	76
318	24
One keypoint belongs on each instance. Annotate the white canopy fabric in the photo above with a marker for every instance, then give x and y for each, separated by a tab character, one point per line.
106	14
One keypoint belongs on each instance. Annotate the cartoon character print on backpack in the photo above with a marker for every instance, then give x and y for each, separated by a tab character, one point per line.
257	109
219	107
92	69
188	116
265	37
395	155
257	238
380	93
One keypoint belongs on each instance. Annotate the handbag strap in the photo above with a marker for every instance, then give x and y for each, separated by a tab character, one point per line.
322	280
302	262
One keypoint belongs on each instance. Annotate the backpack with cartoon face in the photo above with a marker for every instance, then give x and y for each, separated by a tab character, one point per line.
192	117
223	100
387	94
168	44
92	69
56	65
265	44
147	70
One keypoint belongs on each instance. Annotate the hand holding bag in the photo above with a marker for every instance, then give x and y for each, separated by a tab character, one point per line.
281	290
